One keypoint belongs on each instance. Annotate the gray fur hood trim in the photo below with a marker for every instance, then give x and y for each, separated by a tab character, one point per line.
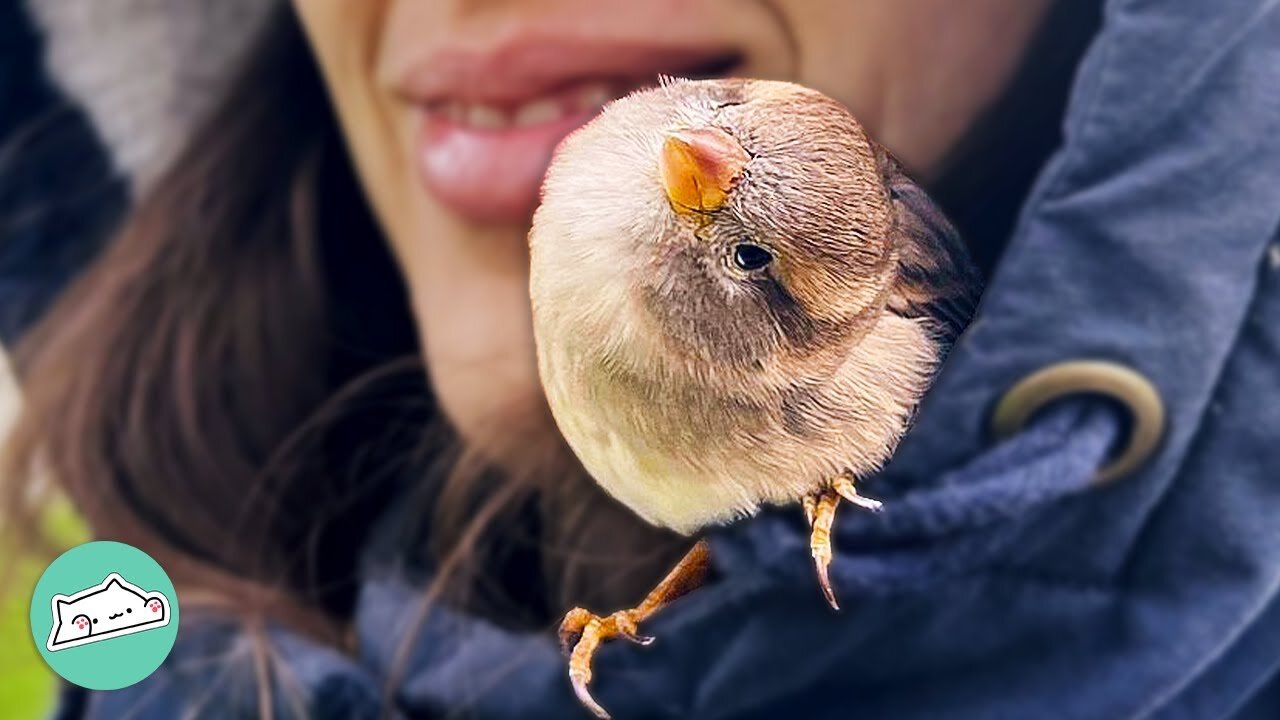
143	70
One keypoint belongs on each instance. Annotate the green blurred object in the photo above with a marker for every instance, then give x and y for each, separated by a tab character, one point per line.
27	686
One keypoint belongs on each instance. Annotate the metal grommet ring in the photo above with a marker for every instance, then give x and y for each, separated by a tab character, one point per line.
1089	377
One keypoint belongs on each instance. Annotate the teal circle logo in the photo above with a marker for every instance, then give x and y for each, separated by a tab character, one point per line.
104	615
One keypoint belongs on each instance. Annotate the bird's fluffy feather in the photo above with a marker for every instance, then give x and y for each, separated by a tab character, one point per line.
694	393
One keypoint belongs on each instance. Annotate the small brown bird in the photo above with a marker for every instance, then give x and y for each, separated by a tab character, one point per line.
738	300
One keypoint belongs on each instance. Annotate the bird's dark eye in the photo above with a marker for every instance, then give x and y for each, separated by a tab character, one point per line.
751	257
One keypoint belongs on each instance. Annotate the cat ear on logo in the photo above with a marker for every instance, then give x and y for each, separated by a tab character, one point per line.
60	603
114	579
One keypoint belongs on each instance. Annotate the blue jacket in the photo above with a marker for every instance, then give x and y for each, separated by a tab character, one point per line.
1000	582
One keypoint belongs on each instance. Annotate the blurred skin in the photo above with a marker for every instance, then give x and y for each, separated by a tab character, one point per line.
454	188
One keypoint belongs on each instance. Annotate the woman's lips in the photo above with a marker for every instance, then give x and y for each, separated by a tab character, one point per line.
485	161
490	123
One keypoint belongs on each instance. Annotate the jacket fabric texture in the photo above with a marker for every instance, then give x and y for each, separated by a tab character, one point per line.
1000	582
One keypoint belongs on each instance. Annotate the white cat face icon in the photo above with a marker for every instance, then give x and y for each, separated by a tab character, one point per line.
113	608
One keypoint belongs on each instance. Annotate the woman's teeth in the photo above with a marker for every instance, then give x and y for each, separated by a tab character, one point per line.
594	96
538	111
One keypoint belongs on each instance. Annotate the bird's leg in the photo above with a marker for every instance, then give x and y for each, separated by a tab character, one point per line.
582	631
820	511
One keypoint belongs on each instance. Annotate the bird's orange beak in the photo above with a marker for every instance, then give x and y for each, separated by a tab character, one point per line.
699	167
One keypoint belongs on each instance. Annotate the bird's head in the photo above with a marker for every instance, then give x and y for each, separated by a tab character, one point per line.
716	226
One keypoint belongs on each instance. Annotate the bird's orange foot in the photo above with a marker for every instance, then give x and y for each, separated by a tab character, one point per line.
581	633
820	510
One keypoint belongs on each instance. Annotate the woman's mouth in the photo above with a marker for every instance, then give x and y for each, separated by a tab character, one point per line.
489	125
485	161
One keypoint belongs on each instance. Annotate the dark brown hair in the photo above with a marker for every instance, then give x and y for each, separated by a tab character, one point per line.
235	387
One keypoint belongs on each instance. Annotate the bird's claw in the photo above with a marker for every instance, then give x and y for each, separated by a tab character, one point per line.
820	512
581	633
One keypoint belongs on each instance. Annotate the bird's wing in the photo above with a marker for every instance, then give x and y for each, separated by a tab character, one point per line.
936	279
